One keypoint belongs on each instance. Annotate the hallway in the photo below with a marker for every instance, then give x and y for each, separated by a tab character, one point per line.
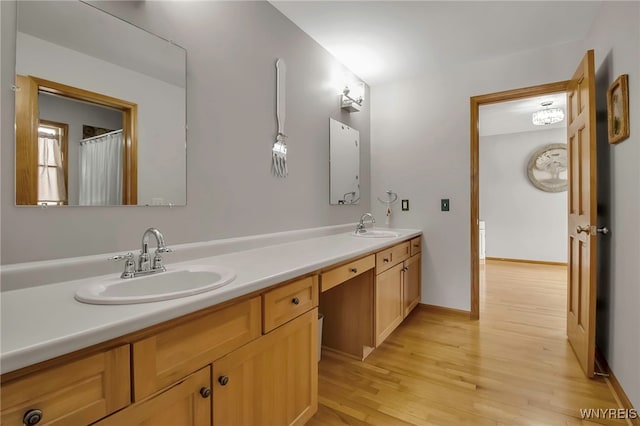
513	367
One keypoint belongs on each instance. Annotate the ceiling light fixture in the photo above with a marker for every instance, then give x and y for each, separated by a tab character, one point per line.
547	115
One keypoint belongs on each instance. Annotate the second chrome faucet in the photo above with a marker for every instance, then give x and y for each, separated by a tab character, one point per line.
145	265
360	227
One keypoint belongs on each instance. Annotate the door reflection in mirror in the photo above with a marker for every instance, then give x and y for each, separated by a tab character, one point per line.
109	164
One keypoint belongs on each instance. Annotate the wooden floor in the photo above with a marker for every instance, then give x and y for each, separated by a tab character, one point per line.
513	367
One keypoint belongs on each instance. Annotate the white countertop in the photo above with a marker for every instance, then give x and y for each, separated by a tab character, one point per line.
40	323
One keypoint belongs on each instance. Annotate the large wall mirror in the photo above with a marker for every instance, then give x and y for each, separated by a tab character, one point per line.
344	163
100	110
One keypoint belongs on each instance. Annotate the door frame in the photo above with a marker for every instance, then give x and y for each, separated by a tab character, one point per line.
476	102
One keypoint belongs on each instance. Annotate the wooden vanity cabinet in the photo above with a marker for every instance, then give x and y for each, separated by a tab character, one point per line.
250	361
272	380
187	403
76	393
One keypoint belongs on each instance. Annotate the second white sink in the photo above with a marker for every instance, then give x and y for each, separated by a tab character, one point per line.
172	284
375	233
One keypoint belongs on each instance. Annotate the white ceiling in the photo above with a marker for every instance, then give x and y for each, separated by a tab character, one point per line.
382	41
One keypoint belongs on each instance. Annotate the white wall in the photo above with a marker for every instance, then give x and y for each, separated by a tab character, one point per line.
76	114
161	114
420	149
522	221
231	53
615	37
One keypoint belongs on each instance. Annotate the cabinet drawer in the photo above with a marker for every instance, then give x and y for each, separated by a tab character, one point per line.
385	259
286	302
343	273
79	392
170	355
416	246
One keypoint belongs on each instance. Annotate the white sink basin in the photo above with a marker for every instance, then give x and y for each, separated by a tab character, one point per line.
375	233
171	284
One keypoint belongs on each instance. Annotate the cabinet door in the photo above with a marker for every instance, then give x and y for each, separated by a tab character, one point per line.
389	312
272	380
78	392
186	404
411	283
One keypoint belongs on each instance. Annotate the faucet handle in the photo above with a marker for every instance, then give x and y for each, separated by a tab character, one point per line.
129	264
118	257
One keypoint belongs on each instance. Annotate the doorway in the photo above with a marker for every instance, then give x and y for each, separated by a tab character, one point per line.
476	102
523	209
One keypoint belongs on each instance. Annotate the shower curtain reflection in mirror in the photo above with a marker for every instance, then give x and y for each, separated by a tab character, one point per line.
101	170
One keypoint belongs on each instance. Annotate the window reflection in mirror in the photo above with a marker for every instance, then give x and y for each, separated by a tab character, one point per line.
344	163
94	71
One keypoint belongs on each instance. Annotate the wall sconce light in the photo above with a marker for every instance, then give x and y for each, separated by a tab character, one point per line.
352	97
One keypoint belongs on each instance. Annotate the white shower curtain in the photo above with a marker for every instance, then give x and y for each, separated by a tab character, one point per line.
101	170
51	186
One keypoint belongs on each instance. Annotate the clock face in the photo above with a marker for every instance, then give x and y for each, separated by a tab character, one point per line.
547	168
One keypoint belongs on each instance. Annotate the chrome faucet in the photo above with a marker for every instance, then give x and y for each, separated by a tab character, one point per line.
145	266
360	226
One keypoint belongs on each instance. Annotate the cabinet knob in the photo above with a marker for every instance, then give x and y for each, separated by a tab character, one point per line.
223	380
32	417
295	301
354	270
205	391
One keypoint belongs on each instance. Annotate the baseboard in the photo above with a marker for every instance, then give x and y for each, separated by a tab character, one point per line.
614	385
444	310
537	262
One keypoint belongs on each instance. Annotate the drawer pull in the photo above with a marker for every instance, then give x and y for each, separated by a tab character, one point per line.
205	392
416	245
223	380
295	301
385	260
32	417
354	270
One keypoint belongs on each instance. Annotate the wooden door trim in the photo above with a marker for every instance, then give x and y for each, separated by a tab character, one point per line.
26	183
475	103
26	127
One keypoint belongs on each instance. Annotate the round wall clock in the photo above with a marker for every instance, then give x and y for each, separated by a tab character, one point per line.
547	168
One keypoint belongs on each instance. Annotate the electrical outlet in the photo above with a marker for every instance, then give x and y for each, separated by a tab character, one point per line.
444	205
405	205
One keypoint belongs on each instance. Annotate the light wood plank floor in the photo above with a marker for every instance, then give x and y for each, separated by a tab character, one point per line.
513	367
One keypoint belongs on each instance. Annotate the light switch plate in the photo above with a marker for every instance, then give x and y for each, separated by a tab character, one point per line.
405	205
